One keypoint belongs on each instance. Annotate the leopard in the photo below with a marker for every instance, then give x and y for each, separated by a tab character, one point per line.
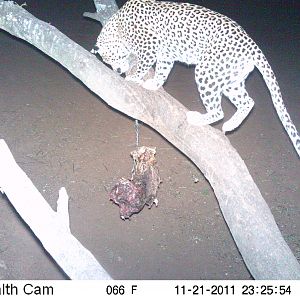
160	33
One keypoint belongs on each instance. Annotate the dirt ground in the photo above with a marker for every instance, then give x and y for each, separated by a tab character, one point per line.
62	135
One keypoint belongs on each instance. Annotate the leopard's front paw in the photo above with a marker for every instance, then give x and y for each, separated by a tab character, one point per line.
195	118
151	84
134	79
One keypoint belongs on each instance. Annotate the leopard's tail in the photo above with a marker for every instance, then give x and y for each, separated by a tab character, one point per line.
269	77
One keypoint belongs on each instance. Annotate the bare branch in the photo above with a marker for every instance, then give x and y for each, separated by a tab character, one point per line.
104	10
51	228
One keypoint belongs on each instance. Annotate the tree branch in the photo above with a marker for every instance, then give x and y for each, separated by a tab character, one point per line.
251	223
104	10
51	228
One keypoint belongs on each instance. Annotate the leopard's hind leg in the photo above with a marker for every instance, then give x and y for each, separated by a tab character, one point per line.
237	94
210	94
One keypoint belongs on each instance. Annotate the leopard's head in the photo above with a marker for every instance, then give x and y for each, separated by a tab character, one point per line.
114	53
112	48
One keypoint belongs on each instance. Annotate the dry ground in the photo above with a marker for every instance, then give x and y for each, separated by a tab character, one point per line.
62	135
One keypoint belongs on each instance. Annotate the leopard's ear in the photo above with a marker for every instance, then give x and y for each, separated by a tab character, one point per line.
95	49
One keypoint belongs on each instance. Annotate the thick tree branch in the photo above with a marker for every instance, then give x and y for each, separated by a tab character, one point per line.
251	223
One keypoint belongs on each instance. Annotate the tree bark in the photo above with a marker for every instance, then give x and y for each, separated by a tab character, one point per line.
50	227
249	219
104	10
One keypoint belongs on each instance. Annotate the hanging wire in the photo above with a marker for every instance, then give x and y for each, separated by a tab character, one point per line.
137	133
137	142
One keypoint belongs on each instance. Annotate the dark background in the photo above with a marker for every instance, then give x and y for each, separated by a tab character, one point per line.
62	135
